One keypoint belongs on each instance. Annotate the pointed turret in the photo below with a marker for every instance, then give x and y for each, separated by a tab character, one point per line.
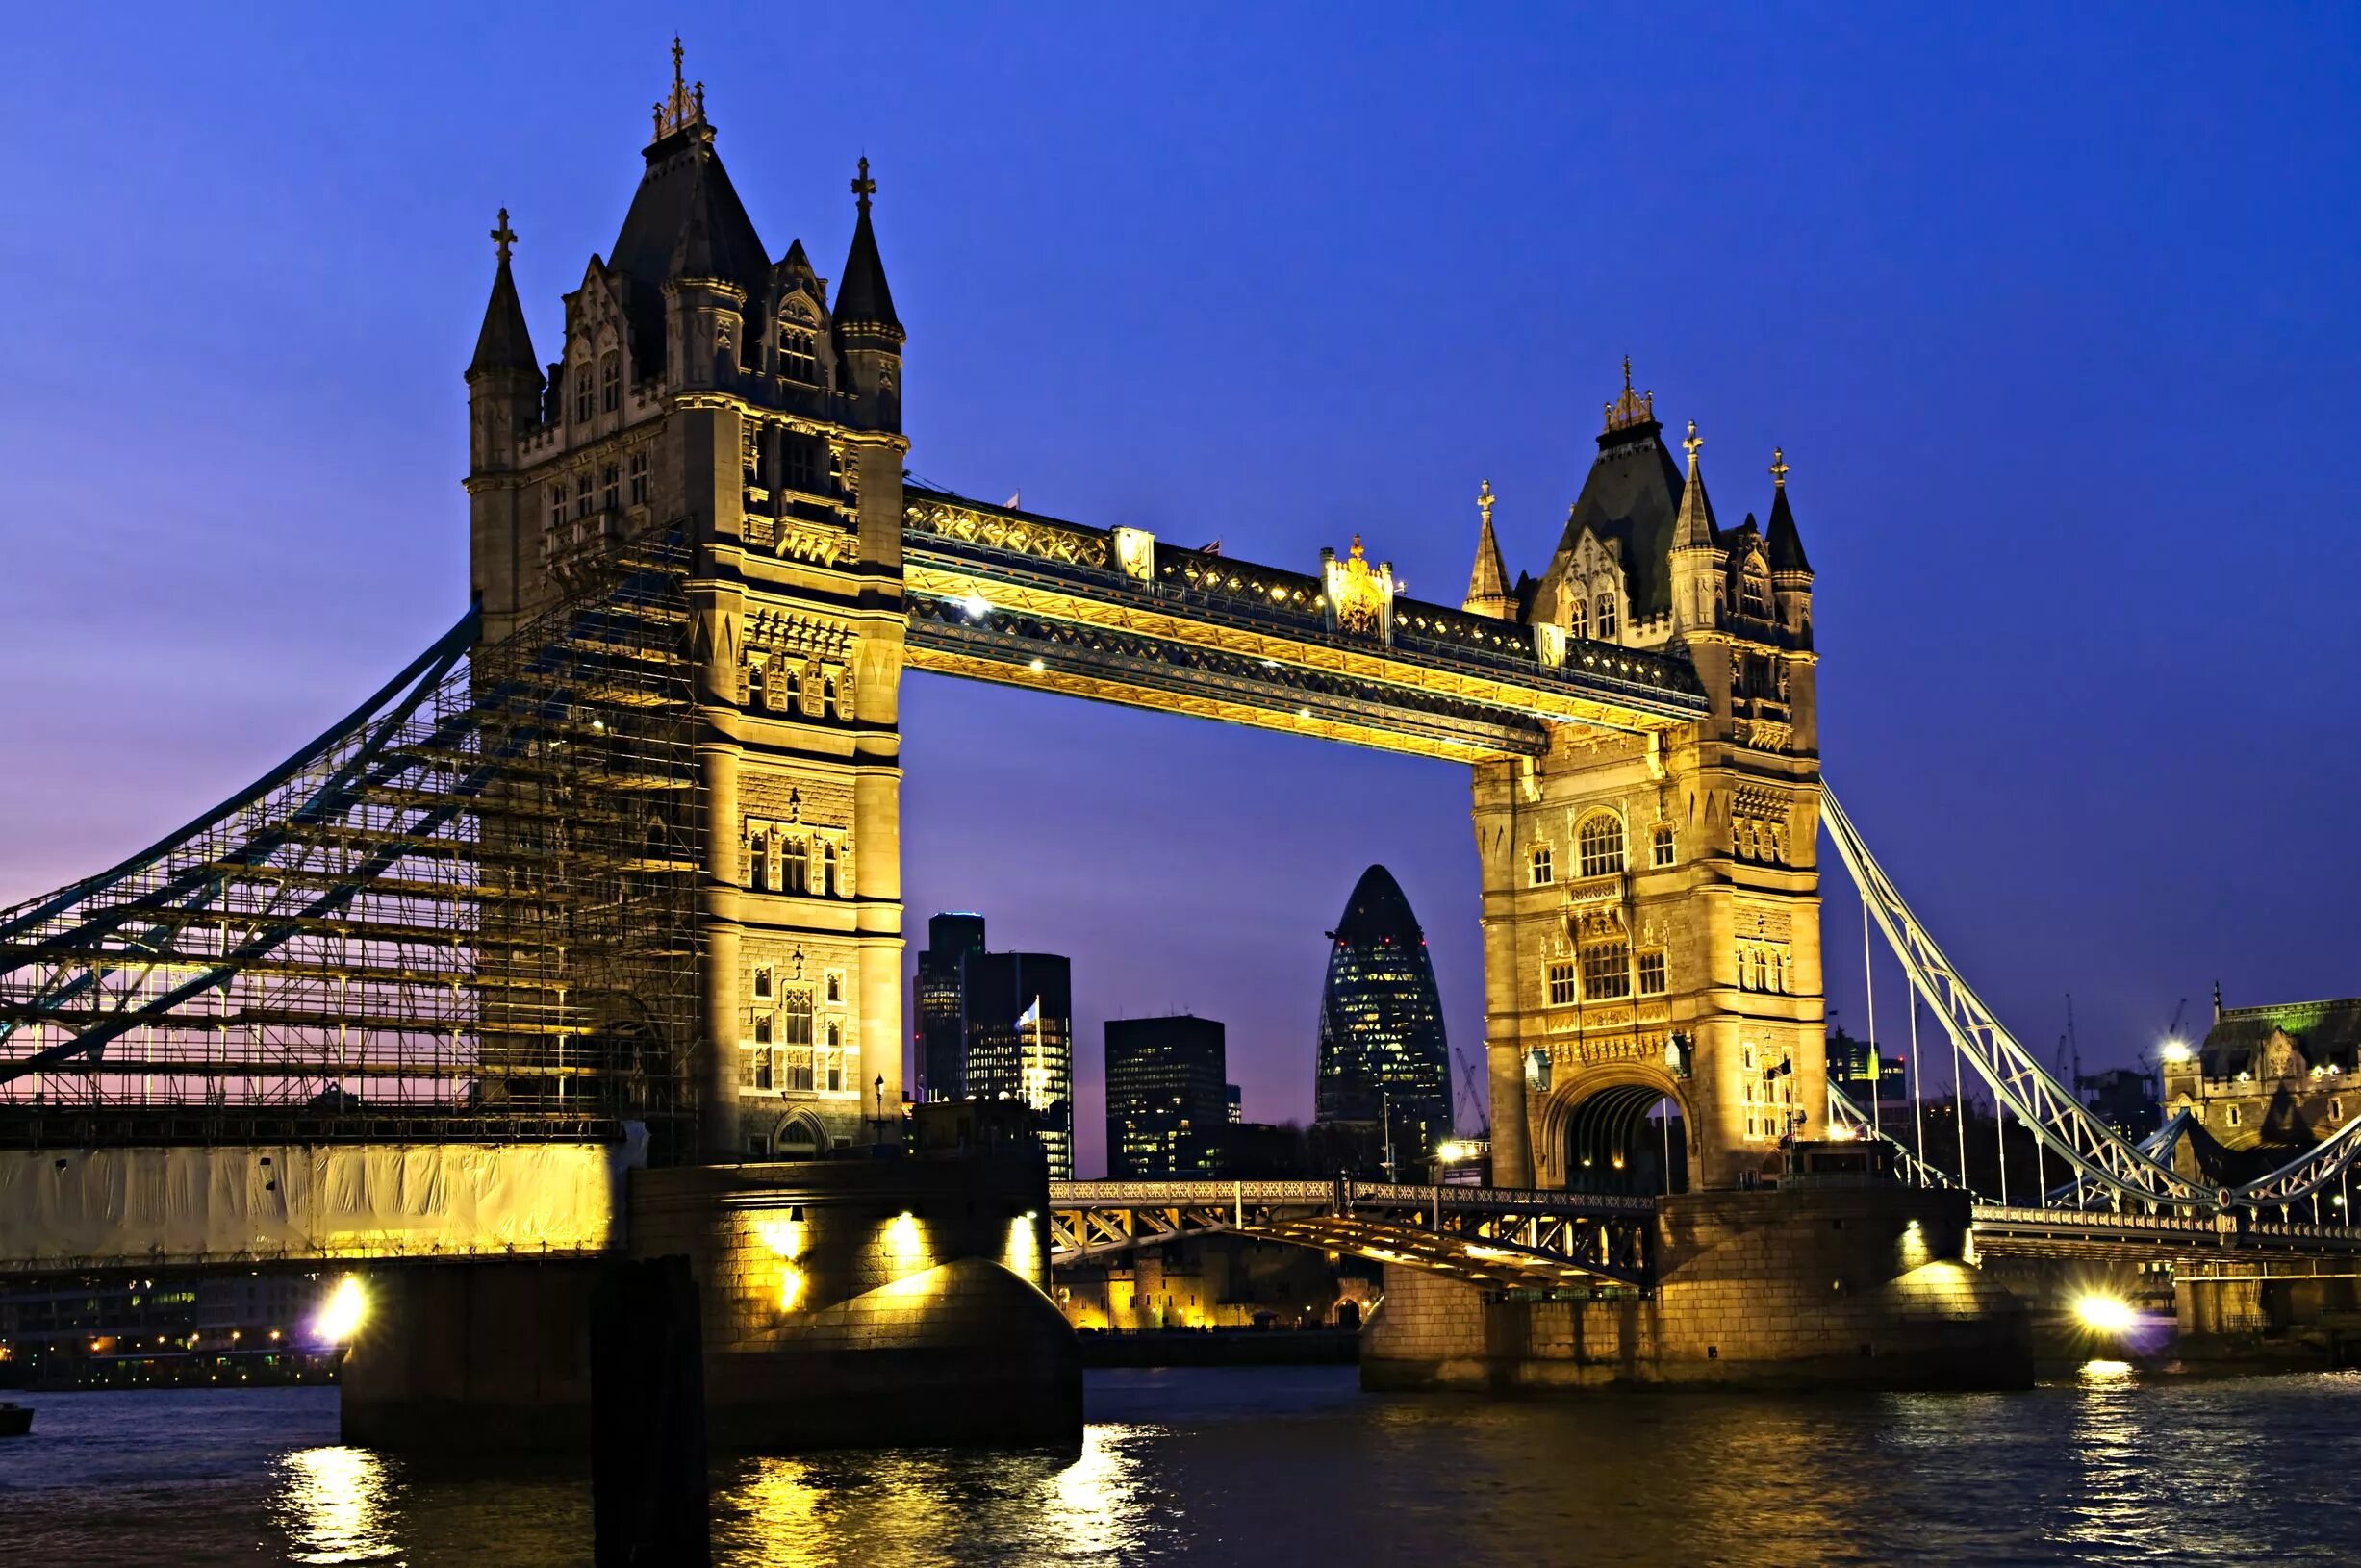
1790	569
1693	528
505	343
869	335
1488	585
1695	556
1781	540
863	299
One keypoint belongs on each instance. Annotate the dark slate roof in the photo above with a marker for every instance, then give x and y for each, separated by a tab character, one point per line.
685	220
1377	911
2328	1034
1633	493
505	343
863	297
1785	544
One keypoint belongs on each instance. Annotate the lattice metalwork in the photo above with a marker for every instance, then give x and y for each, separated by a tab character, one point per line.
465	909
1508	1238
2109	1170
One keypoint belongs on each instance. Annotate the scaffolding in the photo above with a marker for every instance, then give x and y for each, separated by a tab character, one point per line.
467	910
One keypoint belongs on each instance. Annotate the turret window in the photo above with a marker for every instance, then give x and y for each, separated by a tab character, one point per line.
1652	973
1543	872
557	505
799	463
1599	842
610	382
798	346
1607	614
1754	594
1660	846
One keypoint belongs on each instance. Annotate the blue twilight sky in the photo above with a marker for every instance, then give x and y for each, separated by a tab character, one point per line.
2054	308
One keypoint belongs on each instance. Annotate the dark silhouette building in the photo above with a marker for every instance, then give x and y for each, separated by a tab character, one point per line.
1167	1106
998	1026
936	1006
1384	1070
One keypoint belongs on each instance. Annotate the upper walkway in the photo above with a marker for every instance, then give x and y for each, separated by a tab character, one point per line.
1115	613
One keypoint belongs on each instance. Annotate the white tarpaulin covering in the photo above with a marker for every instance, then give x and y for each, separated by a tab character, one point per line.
92	1208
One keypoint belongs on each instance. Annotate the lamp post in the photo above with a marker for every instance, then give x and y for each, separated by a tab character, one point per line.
878	1137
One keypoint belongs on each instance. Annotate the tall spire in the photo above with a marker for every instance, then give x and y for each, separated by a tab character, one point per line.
864	299
1488	585
505	343
1781	540
1693	528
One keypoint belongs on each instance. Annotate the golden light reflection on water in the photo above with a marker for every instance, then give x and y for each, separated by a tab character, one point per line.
1084	1506
336	1505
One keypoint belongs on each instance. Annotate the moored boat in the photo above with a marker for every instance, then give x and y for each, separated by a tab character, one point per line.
15	1420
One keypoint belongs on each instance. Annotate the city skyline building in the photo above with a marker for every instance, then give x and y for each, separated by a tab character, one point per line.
1384	1062
996	1025
940	1040
1167	1103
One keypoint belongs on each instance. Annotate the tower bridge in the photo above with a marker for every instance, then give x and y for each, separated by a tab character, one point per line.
616	863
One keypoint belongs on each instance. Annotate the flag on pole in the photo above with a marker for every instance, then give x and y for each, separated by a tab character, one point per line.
1032	1016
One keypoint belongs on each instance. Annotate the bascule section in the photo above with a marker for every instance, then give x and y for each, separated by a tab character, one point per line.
1651	900
701	389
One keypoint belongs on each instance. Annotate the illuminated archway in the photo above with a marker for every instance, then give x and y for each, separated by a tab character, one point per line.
1622	1137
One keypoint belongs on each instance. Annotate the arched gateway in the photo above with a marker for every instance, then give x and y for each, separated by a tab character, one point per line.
1639	719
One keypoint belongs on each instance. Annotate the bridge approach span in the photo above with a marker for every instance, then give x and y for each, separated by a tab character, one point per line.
1501	1238
233	1205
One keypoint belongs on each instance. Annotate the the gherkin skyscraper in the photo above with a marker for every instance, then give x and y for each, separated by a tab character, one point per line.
1384	1063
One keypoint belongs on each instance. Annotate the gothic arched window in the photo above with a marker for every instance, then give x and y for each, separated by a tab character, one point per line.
1660	846
1599	844
796	865
1581	626
610	382
798	344
827	869
1754	594
583	405
1607	614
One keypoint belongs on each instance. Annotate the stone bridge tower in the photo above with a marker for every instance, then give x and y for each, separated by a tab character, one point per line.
701	386
1651	902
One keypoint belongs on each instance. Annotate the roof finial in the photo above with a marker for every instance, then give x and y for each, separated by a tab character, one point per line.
1691	444
684	106
863	185
1779	469
503	237
1633	407
1484	501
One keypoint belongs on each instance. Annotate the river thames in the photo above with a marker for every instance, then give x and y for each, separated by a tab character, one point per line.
1284	1466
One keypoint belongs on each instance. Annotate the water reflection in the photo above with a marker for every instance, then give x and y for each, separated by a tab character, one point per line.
1091	1505
336	1505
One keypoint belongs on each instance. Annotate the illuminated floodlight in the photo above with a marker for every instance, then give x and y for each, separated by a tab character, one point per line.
976	607
1451	1153
1039	664
2105	1314
2174	1052
1302	713
340	1315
